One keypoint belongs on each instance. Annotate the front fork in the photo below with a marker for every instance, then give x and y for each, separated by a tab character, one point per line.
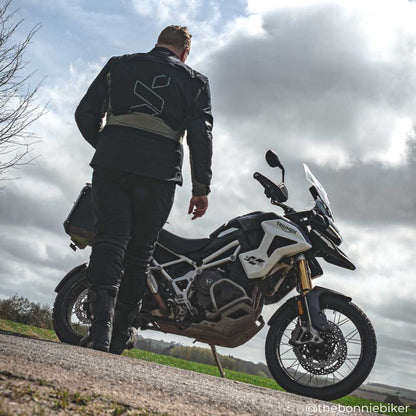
312	319
304	274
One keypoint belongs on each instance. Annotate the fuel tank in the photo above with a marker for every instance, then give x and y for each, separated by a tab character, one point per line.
281	238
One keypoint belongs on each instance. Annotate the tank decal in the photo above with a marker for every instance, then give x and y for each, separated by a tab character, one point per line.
281	239
279	242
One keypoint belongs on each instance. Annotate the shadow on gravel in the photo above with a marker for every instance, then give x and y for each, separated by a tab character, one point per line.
17	334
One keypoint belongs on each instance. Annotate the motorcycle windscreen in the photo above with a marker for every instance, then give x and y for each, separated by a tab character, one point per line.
320	191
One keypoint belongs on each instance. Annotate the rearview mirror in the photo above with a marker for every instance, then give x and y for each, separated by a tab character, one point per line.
273	161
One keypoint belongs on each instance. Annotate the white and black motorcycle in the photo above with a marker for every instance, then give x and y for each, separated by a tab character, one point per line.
319	343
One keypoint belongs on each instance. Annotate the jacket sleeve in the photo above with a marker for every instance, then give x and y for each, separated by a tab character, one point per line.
93	106
199	138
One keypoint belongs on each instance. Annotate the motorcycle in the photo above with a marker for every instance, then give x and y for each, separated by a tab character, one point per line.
319	344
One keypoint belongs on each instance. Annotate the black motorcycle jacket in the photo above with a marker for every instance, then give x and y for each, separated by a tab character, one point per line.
149	100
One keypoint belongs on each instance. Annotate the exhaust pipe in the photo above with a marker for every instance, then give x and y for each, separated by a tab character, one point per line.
154	288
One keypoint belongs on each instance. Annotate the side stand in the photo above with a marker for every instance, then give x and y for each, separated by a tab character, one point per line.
217	360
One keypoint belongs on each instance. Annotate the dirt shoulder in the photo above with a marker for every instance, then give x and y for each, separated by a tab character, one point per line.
20	395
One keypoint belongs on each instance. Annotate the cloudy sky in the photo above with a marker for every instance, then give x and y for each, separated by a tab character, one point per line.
329	83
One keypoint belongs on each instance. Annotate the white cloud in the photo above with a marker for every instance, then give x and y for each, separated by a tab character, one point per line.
338	77
182	12
267	6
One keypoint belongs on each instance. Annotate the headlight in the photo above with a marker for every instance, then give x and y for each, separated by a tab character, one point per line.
333	234
327	227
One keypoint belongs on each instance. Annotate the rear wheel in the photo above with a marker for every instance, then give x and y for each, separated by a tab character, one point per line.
70	319
330	370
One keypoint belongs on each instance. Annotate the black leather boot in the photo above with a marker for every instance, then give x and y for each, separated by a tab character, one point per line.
101	304
124	334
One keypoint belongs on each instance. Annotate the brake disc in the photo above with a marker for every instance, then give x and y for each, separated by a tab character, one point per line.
327	357
80	308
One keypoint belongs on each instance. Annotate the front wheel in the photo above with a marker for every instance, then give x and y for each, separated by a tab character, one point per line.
69	314
330	370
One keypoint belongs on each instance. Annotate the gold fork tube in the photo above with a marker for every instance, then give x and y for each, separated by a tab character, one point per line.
303	274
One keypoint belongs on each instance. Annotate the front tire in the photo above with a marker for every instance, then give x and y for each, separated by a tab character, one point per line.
324	373
69	313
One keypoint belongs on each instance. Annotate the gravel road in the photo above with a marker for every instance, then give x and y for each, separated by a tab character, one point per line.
40	377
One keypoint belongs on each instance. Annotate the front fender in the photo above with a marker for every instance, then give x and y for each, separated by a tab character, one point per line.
289	304
69	274
313	296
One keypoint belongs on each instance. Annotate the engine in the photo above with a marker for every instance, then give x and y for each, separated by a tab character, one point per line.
223	291
203	283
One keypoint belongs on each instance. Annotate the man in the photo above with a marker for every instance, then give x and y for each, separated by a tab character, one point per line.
148	100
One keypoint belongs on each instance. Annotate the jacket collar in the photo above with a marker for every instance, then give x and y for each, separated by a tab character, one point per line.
158	49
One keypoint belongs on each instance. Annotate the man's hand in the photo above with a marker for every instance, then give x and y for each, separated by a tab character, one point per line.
198	206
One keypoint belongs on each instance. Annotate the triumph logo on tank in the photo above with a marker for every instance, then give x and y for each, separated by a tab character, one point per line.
285	228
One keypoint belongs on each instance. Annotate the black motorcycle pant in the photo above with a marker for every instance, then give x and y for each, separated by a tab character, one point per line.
130	211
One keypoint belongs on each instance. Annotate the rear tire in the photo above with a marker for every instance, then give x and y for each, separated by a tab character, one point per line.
70	325
364	364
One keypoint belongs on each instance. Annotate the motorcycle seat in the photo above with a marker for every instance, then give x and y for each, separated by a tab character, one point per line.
181	245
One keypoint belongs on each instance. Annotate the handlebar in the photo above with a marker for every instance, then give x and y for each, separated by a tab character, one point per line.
277	193
268	185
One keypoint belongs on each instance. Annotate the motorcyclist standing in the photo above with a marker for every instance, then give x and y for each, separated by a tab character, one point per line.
145	101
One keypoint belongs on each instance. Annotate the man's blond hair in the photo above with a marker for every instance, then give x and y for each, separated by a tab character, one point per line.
175	35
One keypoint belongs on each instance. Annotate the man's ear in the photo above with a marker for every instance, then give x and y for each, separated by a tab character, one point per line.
184	54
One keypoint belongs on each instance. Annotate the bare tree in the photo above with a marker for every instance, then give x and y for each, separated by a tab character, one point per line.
18	107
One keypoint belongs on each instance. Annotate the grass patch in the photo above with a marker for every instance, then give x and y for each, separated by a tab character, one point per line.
65	399
62	399
119	410
31	331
